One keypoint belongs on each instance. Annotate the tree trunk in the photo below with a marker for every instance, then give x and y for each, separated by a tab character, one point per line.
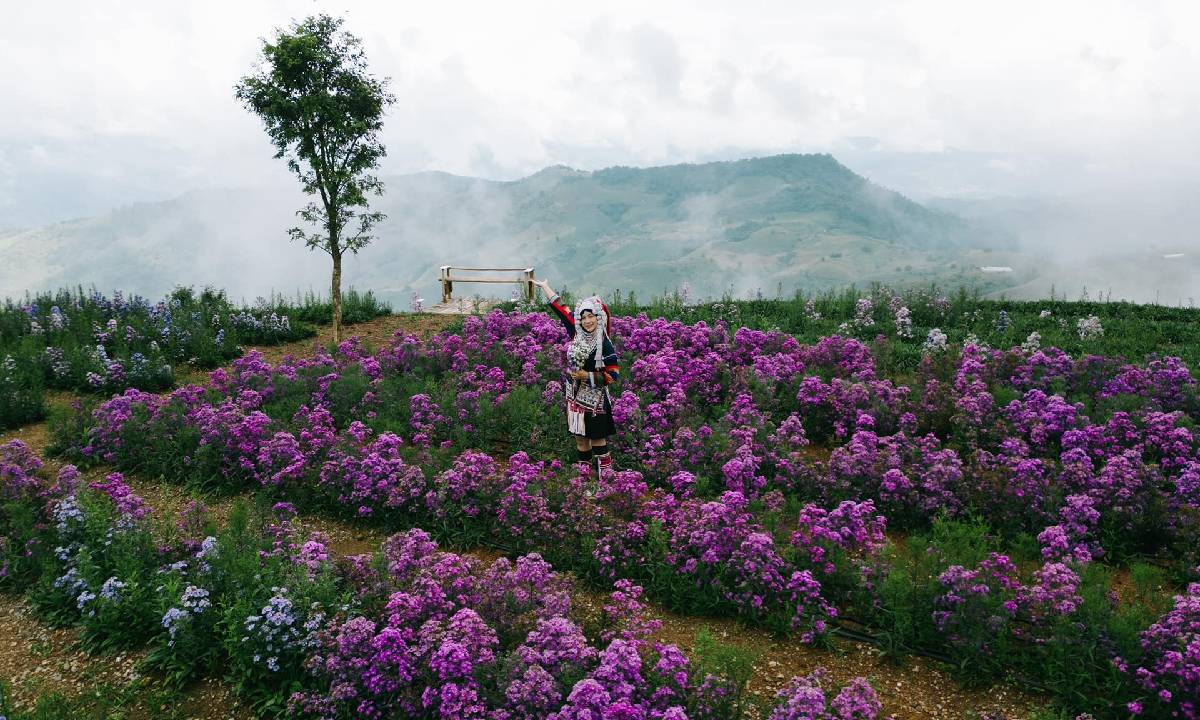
336	294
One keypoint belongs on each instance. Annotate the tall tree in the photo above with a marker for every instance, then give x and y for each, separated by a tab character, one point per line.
323	112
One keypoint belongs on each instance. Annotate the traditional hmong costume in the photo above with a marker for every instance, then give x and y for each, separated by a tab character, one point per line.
593	352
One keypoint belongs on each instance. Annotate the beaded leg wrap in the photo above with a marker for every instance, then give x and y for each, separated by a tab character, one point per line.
604	461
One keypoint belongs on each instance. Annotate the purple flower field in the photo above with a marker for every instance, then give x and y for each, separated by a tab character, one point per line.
1021	513
411	631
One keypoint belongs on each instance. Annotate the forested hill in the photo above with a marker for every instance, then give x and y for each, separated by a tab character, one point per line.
755	193
763	223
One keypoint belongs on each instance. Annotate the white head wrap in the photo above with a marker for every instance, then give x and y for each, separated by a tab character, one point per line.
592	343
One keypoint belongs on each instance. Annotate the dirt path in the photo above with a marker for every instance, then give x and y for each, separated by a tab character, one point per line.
38	660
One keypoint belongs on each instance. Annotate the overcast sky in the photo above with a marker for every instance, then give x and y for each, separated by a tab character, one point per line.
112	102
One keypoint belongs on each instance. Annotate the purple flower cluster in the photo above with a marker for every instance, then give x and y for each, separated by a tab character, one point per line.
1171	666
806	699
852	528
19	466
373	478
129	506
977	604
719	545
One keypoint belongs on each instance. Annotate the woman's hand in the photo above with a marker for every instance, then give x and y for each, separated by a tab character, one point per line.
545	286
579	375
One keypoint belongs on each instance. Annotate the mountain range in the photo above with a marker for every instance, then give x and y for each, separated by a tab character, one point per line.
742	227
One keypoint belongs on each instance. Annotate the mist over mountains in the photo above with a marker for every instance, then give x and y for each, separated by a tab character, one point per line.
751	226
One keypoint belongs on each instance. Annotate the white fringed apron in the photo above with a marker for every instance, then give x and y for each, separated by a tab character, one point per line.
575	416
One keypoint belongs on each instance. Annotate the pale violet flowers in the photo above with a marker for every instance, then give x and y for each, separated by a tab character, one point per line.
935	341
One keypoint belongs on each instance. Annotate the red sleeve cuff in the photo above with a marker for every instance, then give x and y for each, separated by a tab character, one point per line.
564	311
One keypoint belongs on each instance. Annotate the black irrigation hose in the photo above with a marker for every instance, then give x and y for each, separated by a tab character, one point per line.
842	630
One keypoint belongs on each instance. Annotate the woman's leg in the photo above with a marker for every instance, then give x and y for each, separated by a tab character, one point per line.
583	447
600	451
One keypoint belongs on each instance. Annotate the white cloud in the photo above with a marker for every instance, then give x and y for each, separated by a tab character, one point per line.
506	88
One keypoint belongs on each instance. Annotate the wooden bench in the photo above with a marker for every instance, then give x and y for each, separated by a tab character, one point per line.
448	279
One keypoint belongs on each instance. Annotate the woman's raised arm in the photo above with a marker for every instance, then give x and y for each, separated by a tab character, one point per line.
545	286
563	314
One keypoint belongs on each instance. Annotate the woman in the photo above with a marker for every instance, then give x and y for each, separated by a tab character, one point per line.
591	366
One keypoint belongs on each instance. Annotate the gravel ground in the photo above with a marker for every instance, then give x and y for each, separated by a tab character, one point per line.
36	660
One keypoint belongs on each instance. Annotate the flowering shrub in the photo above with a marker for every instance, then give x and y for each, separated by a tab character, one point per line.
101	571
903	320
1170	672
806	699
1033	343
1089	328
279	635
185	650
975	606
935	341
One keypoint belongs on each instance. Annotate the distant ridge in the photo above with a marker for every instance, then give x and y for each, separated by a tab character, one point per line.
740	226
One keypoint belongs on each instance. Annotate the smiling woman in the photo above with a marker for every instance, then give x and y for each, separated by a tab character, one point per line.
591	368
